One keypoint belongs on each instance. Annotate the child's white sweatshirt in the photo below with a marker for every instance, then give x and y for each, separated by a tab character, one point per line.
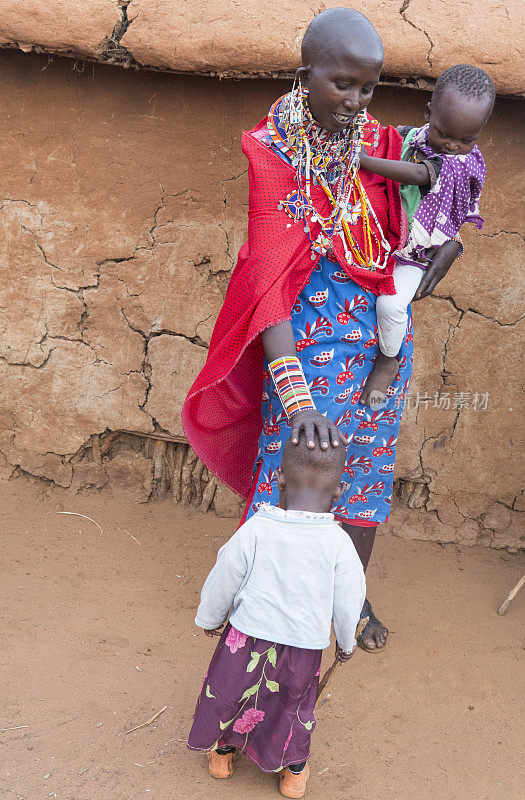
288	575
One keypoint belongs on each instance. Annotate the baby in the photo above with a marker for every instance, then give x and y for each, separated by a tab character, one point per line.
288	572
442	175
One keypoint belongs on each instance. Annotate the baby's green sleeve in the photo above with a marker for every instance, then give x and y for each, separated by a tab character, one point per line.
410	195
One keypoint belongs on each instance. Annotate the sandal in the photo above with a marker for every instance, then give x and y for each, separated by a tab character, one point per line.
372	623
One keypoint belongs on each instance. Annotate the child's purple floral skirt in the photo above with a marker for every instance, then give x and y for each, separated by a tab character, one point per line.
259	697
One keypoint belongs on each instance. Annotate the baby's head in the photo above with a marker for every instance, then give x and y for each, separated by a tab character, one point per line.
310	480
342	56
461	104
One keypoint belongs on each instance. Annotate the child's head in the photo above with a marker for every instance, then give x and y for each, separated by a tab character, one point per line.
310	479
461	104
342	56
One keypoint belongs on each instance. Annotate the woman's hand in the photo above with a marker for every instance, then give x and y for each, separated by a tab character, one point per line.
438	268
311	422
215	631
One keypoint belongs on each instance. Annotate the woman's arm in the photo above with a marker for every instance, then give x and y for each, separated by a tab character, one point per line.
279	341
400	171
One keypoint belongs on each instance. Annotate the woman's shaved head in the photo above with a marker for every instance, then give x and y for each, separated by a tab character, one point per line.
342	56
339	30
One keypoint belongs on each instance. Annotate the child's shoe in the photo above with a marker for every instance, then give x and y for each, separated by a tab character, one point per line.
221	765
291	785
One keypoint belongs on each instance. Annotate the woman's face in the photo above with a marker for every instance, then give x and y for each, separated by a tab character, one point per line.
339	88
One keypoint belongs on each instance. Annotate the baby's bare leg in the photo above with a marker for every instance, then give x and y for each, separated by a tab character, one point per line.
383	373
391	324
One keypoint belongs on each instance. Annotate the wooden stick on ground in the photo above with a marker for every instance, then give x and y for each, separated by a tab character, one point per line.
330	671
148	721
326	677
14	728
74	514
511	596
133	537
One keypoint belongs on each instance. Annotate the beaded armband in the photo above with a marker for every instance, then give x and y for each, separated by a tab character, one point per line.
458	240
291	385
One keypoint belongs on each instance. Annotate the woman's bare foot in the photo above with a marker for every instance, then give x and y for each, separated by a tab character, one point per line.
383	373
374	635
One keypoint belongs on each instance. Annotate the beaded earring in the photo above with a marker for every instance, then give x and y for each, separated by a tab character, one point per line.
295	109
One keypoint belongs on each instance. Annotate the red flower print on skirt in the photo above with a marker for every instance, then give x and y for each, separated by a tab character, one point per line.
248	721
235	640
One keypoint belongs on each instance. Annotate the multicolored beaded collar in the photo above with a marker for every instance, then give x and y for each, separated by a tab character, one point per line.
332	154
330	161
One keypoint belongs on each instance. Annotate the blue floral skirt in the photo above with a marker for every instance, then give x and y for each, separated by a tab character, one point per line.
258	696
335	328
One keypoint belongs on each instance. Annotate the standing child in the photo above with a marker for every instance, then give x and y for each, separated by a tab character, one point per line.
288	572
442	173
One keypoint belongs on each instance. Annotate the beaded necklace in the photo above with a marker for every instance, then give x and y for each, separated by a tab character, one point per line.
332	162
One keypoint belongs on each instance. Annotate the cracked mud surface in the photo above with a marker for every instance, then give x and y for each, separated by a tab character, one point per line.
98	636
124	206
233	39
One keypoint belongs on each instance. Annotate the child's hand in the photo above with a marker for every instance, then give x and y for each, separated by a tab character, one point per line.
438	268
214	631
342	655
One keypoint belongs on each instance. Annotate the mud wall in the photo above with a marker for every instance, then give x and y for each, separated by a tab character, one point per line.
123	206
225	38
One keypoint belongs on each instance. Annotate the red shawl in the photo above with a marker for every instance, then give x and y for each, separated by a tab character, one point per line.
221	416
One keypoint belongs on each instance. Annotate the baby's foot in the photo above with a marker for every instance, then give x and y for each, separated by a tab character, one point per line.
383	373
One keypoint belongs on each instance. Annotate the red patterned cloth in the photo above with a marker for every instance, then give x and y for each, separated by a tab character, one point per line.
221	416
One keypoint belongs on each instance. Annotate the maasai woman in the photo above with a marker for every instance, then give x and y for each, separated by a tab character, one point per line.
297	331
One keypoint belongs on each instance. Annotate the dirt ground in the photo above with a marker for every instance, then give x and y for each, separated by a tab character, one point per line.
97	635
